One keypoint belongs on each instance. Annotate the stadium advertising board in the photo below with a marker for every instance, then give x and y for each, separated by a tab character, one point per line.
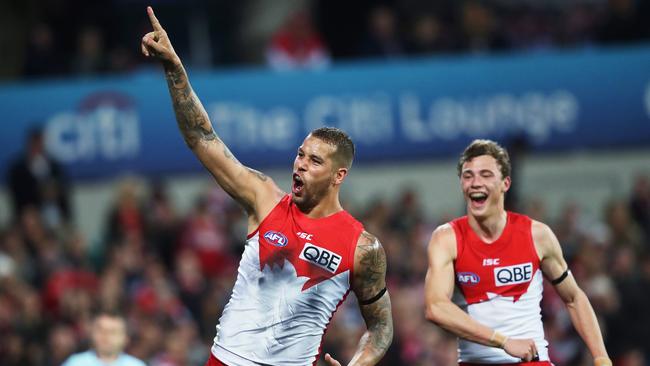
416	109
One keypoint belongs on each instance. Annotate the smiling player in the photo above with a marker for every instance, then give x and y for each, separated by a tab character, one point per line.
304	252
497	259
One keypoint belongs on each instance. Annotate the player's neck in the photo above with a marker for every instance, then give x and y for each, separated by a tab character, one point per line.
490	227
327	206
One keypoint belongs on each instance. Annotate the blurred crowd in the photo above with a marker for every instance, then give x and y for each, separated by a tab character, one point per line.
171	274
75	38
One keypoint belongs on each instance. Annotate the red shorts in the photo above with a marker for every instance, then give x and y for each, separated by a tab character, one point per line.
212	361
532	363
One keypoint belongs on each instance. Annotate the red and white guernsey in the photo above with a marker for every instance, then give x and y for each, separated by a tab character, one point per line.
294	273
501	283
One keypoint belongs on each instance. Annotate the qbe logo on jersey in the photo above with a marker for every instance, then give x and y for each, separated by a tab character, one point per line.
513	275
321	257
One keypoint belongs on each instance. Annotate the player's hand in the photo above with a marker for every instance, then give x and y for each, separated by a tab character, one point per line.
331	361
523	349
156	44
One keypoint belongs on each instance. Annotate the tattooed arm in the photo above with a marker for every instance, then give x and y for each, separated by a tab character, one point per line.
255	191
368	284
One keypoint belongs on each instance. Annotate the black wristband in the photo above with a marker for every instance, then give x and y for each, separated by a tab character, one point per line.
559	280
374	298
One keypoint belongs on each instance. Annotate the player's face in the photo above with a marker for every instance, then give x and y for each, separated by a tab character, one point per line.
109	335
483	186
313	172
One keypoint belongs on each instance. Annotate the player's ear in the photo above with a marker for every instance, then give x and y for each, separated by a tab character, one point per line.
340	175
506	184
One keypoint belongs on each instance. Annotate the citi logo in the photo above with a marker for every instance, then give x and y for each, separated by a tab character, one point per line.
321	257
512	275
468	278
276	238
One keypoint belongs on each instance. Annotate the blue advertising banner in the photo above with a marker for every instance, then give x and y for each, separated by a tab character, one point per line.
414	109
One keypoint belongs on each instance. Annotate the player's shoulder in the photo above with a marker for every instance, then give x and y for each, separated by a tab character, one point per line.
367	239
369	247
540	230
443	241
444	233
543	237
369	255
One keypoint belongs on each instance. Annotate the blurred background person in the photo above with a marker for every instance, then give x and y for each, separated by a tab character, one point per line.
37	180
109	338
297	45
382	36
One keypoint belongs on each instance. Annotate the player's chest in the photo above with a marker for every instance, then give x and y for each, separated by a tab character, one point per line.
496	269
304	247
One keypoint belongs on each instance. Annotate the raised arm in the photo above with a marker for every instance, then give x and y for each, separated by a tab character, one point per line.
582	314
369	285
439	309
252	189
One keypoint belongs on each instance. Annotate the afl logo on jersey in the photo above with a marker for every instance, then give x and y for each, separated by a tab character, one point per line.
468	278
276	238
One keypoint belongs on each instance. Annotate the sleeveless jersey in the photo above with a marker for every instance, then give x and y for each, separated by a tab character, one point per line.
294	273
501	286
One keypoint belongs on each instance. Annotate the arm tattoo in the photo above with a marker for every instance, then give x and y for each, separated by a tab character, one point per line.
190	115
372	269
261	176
379	320
197	131
370	279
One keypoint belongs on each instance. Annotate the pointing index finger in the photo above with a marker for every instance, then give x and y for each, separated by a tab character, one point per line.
154	21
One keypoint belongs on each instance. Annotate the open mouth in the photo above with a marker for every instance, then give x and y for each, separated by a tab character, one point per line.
478	198
298	184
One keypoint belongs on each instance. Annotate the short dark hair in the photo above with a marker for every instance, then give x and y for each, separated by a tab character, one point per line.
486	147
344	153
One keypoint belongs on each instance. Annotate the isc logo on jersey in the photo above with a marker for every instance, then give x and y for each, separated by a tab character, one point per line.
512	275
276	238
321	257
468	278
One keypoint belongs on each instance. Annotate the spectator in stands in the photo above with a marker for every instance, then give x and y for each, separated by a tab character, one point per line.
428	35
624	231
579	26
35	179
480	32
61	344
622	23
42	56
382	38
527	29
297	45
644	304
109	338
206	236
162	224
126	219
90	58
640	206
181	347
